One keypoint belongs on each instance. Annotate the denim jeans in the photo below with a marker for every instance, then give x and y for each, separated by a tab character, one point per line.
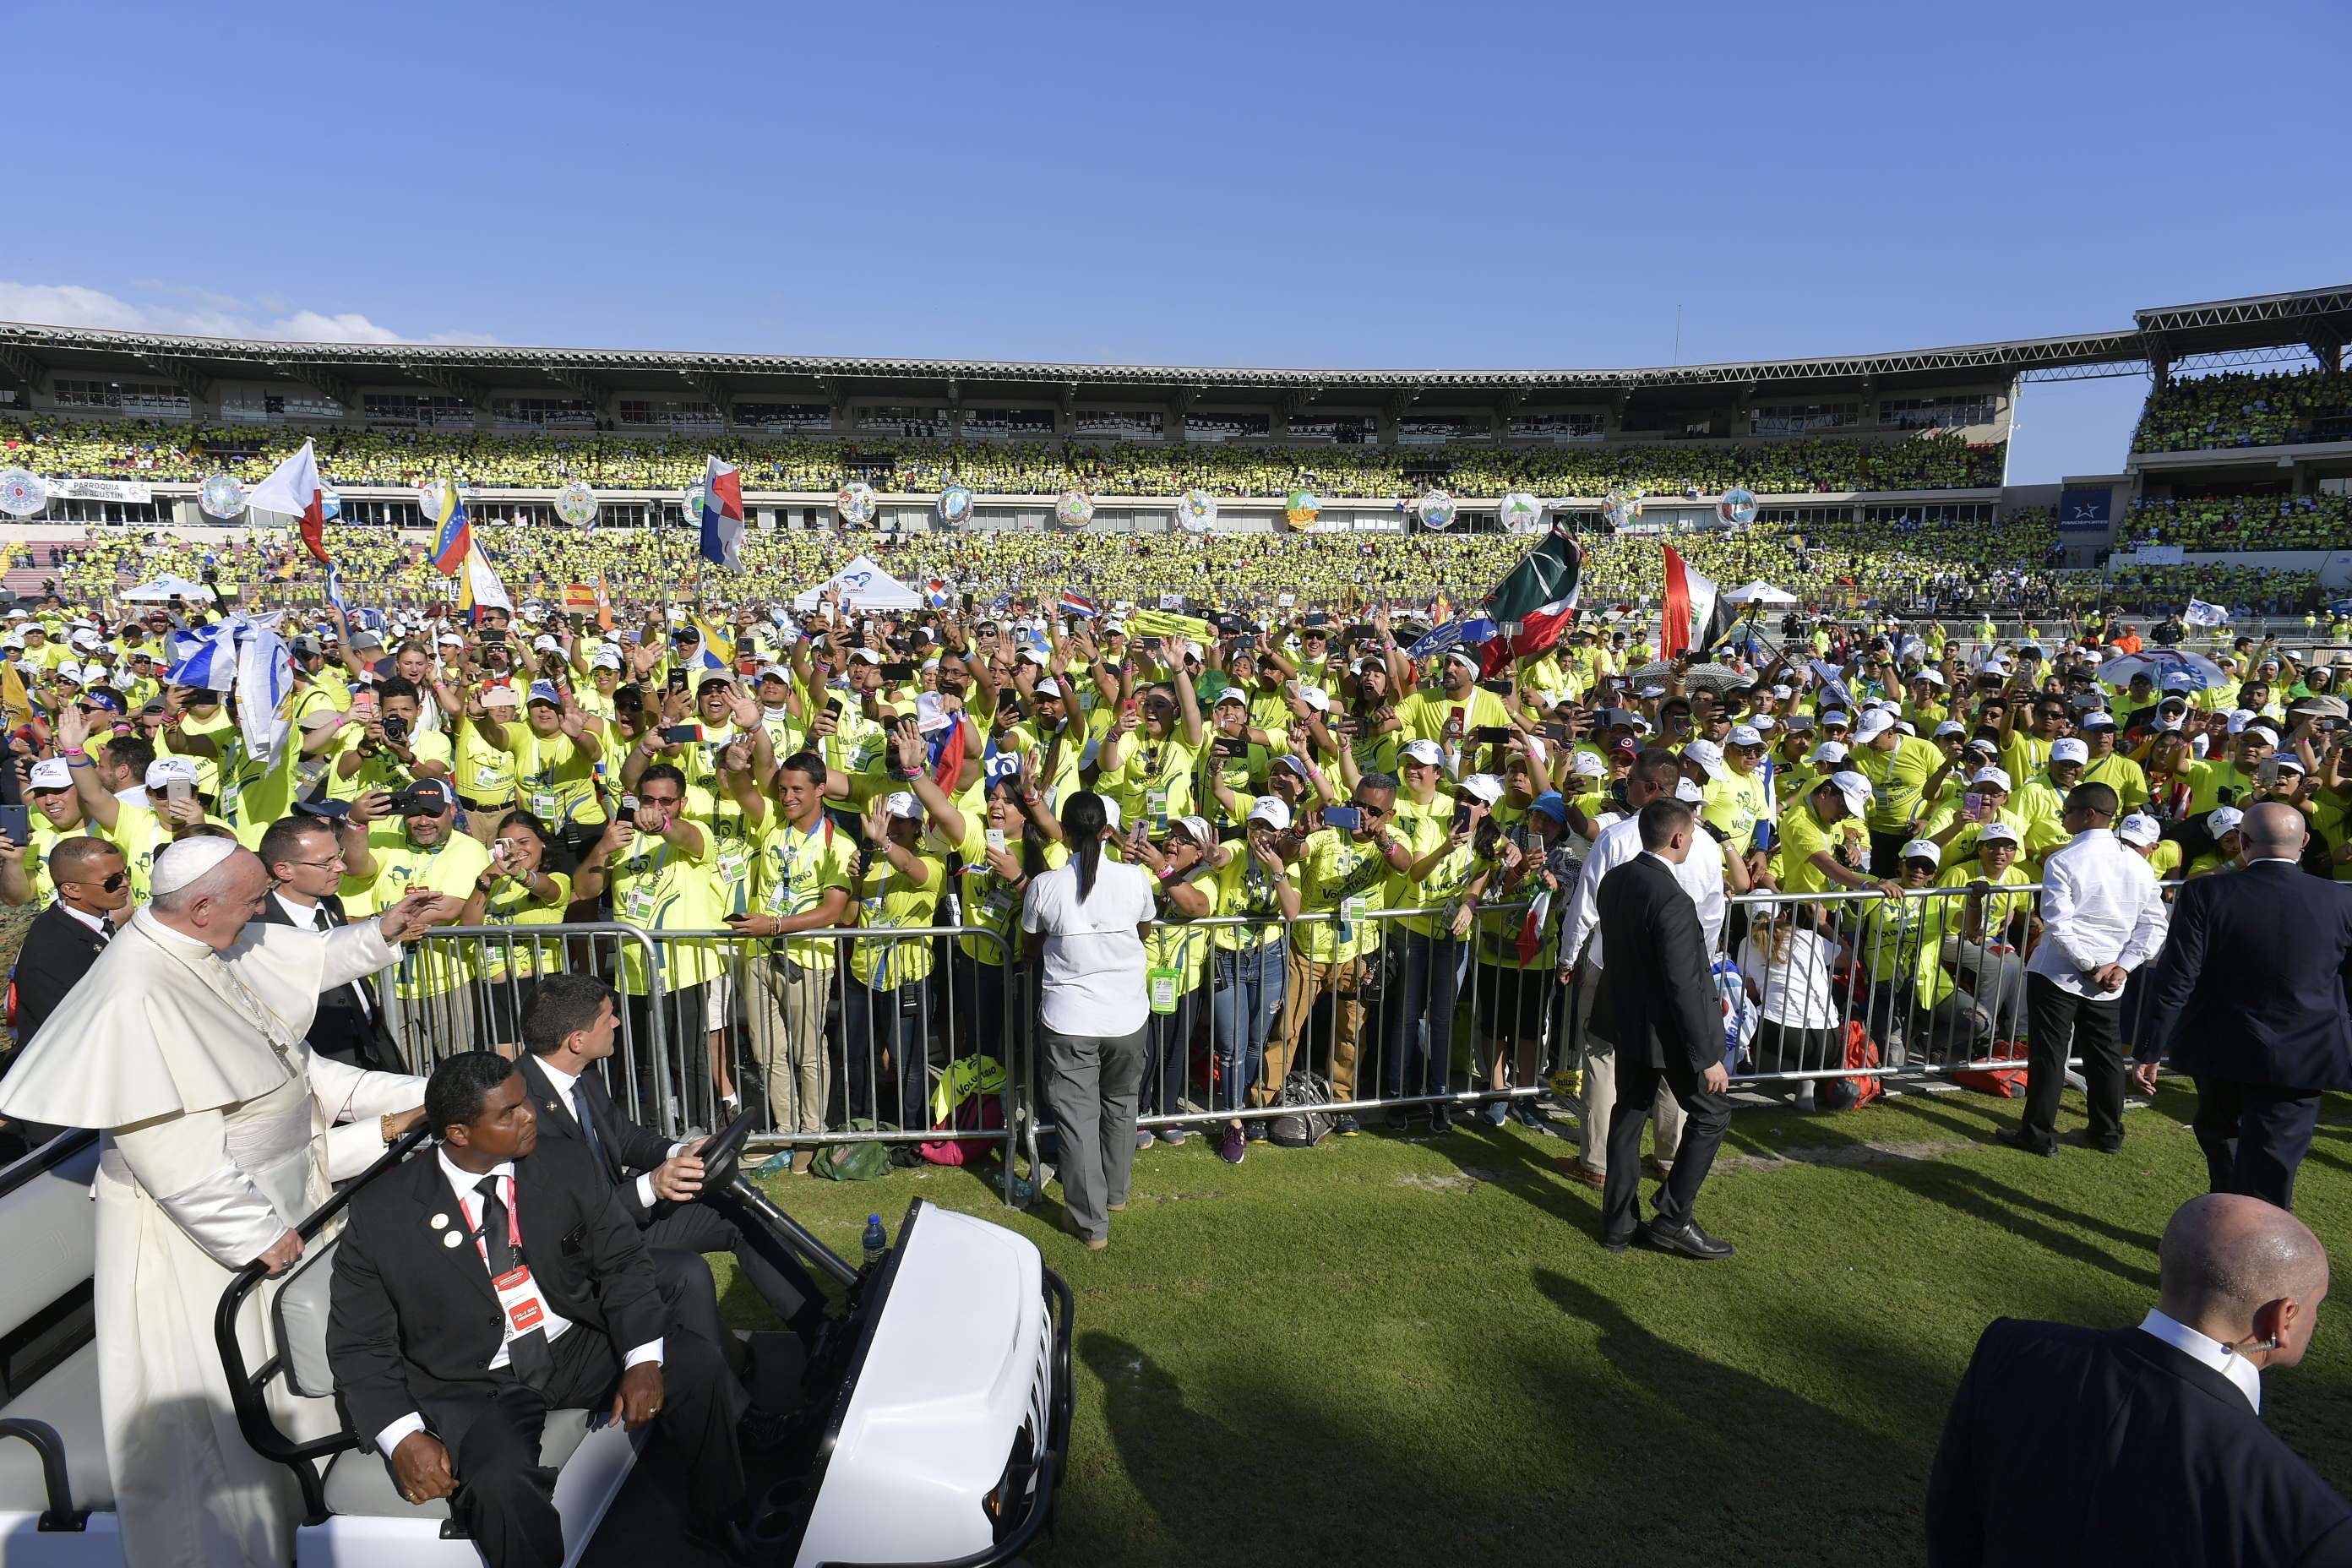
1248	997
1417	1028
1166	1037
873	1023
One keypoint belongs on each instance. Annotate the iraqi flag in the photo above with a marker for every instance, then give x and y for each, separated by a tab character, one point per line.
1534	603
722	516
293	490
1696	616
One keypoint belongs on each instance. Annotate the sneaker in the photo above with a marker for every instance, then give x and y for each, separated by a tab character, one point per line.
1399	1122
1530	1117
1173	1135
1441	1120
1346	1126
1143	1139
1255	1129
1233	1146
1495	1112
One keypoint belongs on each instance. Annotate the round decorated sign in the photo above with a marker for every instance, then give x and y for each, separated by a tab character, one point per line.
955	506
1301	507
1520	513
1621	506
430	495
1196	510
1075	509
221	496
22	492
1436	510
1737	508
575	504
693	503
855	502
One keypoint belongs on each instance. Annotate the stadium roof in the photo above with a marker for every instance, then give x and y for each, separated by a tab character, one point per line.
2263	326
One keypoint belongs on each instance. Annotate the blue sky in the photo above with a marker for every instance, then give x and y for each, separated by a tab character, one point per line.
1362	185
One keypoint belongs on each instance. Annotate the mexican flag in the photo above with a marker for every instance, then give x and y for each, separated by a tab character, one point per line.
1534	603
1696	616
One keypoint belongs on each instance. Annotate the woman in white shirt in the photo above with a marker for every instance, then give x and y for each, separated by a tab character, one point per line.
1788	964
1094	1009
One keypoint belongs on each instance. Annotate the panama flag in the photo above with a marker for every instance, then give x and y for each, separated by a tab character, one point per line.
1695	617
722	516
1534	603
293	490
453	536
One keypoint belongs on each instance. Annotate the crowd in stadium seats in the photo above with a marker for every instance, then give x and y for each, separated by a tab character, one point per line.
2244	409
2317	521
378	457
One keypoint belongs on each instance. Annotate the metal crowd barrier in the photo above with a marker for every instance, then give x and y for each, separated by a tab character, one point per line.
818	1054
1411	1020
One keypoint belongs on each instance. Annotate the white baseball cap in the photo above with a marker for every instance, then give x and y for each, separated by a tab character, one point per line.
1426	752
1049	688
542	643
607	658
1854	788
1933	676
1874	723
902	803
1828	751
1271	811
52	772
1483	787
1836	716
2098	718
1233	694
1997	777
1745	735
163	771
2223	819
1707	755
1315	697
1951	727
1923	849
2069	750
2139	828
1585	764
1997	833
1686	791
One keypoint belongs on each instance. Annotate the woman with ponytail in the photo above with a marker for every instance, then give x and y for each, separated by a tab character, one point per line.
1087	920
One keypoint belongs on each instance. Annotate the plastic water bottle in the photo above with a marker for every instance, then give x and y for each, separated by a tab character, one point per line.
877	1243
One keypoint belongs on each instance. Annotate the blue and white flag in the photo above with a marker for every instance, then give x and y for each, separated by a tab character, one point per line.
204	658
265	682
1453	634
335	594
1833	692
2201	614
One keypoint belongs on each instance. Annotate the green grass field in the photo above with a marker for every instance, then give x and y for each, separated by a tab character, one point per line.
1385	1351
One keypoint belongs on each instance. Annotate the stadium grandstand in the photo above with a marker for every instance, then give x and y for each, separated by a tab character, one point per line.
1875	478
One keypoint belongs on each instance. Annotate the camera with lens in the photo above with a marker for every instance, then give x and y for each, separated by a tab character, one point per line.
418	800
395	728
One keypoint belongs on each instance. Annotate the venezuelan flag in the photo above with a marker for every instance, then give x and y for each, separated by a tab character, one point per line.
453	537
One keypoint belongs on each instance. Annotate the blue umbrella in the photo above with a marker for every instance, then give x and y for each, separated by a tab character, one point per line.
2156	663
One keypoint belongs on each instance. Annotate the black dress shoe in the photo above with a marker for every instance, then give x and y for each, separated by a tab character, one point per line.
1687	1240
1617	1243
2020	1141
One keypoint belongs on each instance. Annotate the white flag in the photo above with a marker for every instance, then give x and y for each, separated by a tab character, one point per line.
2202	613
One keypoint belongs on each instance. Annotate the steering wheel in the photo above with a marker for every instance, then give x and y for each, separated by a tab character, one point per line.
723	1154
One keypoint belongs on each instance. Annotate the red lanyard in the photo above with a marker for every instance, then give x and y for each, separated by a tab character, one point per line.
514	1225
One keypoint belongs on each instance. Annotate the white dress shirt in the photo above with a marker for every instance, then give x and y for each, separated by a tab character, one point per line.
463	1183
2100	905
2213	1352
562	1082
1700	875
98	923
313	916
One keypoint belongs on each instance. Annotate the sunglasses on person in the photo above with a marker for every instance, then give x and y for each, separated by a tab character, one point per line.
112	883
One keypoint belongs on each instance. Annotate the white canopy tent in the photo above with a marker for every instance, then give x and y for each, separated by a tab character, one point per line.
1759	593
159	590
863	586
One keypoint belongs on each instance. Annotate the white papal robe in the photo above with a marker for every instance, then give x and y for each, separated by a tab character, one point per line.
220	1133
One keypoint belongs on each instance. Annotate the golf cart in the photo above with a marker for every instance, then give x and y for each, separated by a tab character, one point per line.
927	1425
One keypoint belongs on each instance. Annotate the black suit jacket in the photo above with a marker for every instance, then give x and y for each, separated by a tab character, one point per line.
2082	1445
1661	994
341	1027
629	1149
2250	984
414	1319
58	950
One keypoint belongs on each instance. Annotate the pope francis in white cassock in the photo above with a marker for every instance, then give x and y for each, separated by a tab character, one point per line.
184	1043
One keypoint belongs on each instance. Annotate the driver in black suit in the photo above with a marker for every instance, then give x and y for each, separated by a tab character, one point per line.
480	1287
568	1028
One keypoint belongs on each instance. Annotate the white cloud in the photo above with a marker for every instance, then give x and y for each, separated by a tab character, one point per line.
207	314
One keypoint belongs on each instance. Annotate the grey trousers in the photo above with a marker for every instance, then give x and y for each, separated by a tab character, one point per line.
1093	1083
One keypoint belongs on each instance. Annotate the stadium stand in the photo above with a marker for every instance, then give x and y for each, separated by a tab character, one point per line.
2283	409
2319	521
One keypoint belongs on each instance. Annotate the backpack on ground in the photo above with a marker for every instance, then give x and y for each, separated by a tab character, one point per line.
1299	1127
1853	1093
852	1162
